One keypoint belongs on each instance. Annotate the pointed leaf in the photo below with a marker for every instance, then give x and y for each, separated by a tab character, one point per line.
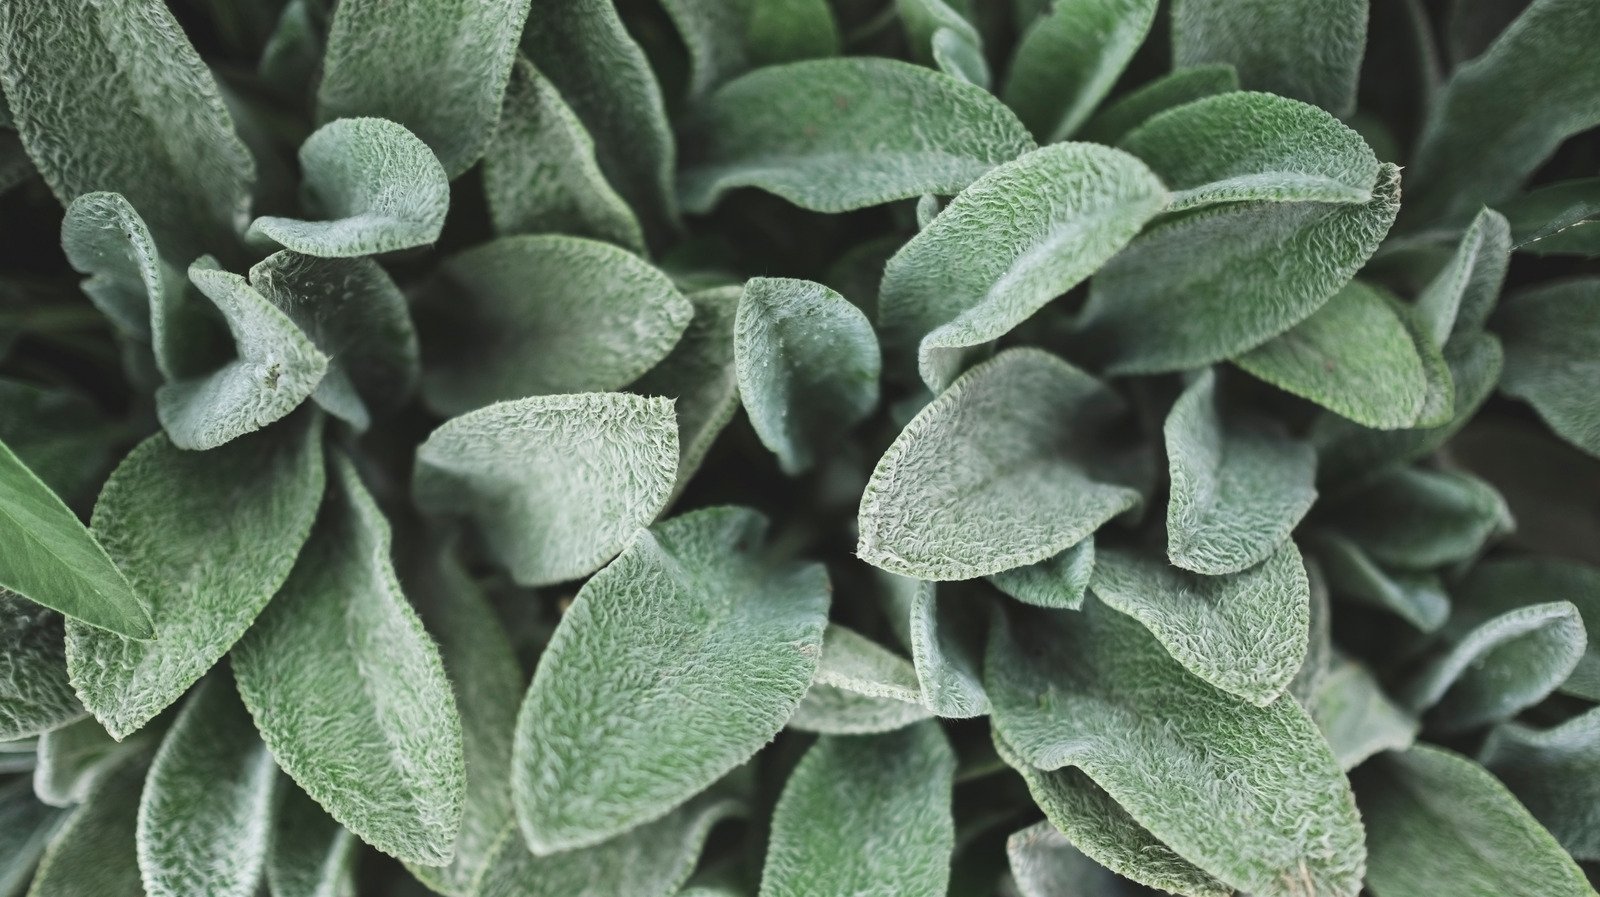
1068	60
1553	773
1170	91
1303	49
946	641
93	852
1356	717
35	696
310	855
1552	343
699	375
1420	519
1058	582
1460	297
1505	584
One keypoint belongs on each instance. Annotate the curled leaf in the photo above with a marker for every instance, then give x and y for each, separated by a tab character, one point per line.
1068	60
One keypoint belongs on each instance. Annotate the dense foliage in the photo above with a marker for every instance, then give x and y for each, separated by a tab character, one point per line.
799	448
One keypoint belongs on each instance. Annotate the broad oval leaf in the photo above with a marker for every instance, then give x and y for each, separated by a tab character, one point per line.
1170	91
1220	281
972	275
208	537
861	812
1552	772
348	689
35	694
373	184
1240	485
540	315
807	363
93	852
1420	519
310	855
699	375
1058	582
1310	50
991	475
1508	583
675	664
1068	60
1552	345
206	809
556	484
833	135
439	69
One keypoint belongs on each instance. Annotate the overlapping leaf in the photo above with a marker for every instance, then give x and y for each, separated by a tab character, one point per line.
1552	773
699	375
1297	48
1068	60
1552	345
1170	91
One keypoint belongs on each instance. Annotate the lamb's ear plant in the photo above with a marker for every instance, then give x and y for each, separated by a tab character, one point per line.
799	448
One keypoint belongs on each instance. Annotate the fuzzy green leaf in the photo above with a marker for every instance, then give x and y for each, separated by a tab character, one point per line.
35	695
1553	772
860	688
941	35
1058	582
374	186
1068	60
728	37
556	484
1461	295
348	689
1356	717
675	664
1416	597
1305	49
699	374
73	758
93	852
1017	238
830	710
946	646
859	813
839	134
209	537
1552	345
309	855
807	364
1170	91
1505	584
1420	519
1045	864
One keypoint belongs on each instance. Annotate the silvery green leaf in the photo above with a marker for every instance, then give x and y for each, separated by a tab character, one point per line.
348	689
699	375
374	187
1461	295
309	855
862	812
540	315
93	852
52	559
807	364
972	275
73	758
1303	49
1097	825
1356	717
1508	583
652	860
940	34
1552	344
1558	210
1224	280
1415	518
1068	60
946	642
1240	485
1056	582
830	710
438	68
58	432
35	695
206	809
1553	772
208	537
1435	816
860	688
1254	146
1499	667
1045	864
587	53
1250	794
1504	112
26	827
833	135
1362	356
557	485
991	475
540	173
1319	640
728	37
1416	597
680	711
112	96
275	369
1170	91
956	55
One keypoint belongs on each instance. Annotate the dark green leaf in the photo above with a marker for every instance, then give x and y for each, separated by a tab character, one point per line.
1167	92
1068	60
1309	50
1552	345
1555	773
1420	519
1416	597
93	853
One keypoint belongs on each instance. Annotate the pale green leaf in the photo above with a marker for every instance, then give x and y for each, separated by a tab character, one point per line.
675	664
93	852
1170	91
1552	345
1356	717
830	710
1461	295
1057	582
946	642
35	695
73	758
1555	773
807	364
1420	519
699	375
206	809
1017	238
26	827
348	689
373	187
991	476
1310	50
310	855
208	537
540	315
839	134
1502	585
1416	597
1045	864
1068	60
1240	484
860	688
439	67
955	54
865	815
557	485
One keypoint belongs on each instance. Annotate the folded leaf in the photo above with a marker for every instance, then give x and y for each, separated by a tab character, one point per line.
1420	519
206	809
1068	60
1239	486
73	758
539	315
807	364
1057	582
699	375
941	35
991	475
208	537
1302	49
1356	717
1505	584
1416	597
310	855
1170	91
1552	344
975	273
1221	281
348	689
1436	816
93	852
35	697
675	664
860	688
374	186
440	69
26	827
1459	298
946	642
1553	772
1045	864
833	135
861	812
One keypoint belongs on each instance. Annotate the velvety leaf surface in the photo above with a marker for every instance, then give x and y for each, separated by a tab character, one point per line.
1416	597
1420	519
1552	345
1045	864
208	538
831	710
35	695
941	35
946	647
73	758
1302	49
1117	118
857	664
1504	584
833	135
348	689
93	852
1461	295
1058	582
675	664
1552	773
1356	717
310	855
699	375
556	484
1068	60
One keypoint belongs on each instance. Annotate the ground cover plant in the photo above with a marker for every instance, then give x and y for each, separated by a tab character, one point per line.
799	448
